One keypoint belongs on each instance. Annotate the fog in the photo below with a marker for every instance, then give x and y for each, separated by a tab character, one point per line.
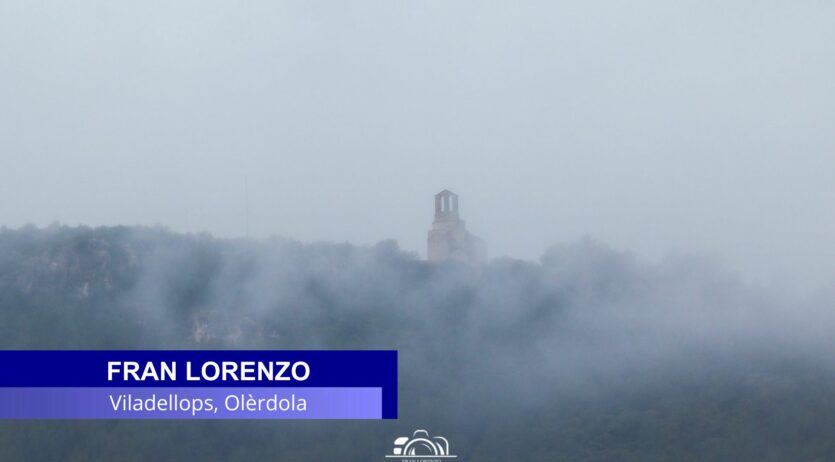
587	354
584	314
698	127
653	181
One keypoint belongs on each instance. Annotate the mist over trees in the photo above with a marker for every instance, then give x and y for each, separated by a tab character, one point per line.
588	354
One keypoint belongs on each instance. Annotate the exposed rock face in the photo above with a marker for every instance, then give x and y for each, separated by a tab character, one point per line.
449	238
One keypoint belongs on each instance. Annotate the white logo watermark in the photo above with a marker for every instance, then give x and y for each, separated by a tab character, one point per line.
421	447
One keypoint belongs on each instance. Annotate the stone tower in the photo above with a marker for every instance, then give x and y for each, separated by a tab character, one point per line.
449	238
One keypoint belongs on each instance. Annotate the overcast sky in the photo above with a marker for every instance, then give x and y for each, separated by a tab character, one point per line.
656	127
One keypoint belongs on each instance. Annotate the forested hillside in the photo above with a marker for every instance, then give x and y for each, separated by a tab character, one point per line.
589	354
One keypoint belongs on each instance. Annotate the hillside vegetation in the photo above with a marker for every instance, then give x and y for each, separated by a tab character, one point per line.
587	355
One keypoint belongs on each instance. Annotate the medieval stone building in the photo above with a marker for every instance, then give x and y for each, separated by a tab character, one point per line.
449	238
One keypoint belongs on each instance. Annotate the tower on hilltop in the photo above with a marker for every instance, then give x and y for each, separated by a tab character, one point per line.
449	238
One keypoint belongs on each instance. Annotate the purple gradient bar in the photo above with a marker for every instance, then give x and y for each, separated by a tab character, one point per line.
96	403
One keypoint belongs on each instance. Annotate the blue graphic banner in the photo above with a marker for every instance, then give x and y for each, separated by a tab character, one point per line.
198	384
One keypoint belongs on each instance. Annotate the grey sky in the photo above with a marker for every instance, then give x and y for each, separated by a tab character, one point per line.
654	126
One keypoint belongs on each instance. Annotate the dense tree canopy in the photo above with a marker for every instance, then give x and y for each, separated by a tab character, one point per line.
589	354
